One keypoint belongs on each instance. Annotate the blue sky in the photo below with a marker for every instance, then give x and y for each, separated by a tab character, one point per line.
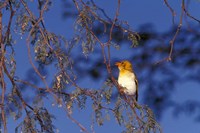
136	12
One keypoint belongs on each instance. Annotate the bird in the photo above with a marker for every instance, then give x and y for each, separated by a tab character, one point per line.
127	78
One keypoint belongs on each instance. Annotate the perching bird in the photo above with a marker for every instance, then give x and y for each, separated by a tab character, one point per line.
127	78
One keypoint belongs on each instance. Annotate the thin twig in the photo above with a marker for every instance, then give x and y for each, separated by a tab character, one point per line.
12	12
172	11
187	13
176	34
110	35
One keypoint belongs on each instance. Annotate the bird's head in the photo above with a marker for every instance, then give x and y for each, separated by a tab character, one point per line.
124	65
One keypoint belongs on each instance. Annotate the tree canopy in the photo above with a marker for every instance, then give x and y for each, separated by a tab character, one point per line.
56	65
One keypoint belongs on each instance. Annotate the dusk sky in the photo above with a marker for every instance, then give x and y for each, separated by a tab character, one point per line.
136	13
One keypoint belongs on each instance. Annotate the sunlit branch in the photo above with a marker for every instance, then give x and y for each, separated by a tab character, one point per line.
2	78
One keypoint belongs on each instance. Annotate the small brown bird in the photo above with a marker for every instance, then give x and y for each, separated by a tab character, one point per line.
127	78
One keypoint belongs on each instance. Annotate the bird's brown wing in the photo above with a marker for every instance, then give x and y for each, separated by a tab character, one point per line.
136	94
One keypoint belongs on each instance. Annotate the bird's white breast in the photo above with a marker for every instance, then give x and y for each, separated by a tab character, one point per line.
128	81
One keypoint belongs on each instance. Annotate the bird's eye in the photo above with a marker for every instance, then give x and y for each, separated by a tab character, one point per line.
123	64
